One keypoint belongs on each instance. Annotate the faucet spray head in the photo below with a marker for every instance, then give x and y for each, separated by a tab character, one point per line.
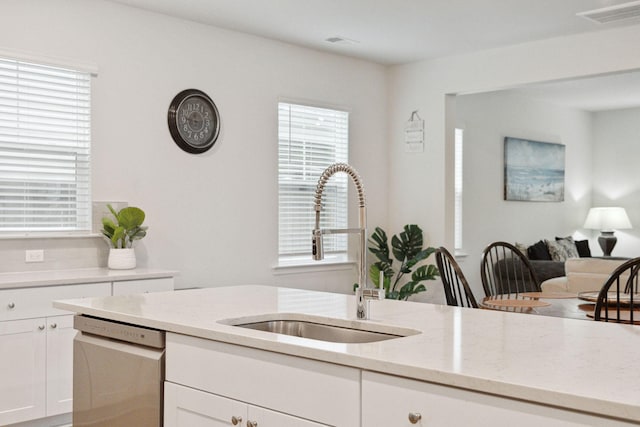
317	248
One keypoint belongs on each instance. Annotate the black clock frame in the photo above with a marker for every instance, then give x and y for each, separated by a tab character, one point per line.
173	124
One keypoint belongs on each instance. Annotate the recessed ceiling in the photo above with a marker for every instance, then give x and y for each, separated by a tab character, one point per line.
393	32
609	92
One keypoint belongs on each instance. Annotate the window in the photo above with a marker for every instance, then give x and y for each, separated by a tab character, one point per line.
44	148
458	189
309	140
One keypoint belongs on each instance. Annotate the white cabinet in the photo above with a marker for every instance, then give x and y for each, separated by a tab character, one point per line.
36	362
187	407
391	401
293	391
23	354
60	334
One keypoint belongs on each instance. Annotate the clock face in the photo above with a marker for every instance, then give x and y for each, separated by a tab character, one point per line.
194	121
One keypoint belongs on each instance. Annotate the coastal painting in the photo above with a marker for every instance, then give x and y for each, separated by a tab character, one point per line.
533	170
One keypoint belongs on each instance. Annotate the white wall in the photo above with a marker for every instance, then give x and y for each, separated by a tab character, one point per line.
421	185
213	217
487	119
615	171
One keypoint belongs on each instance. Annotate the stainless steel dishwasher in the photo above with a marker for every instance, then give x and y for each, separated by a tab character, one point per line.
118	374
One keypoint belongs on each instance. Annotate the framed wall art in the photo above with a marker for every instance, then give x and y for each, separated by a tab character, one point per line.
533	170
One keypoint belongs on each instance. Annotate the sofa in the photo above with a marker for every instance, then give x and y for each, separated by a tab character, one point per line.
582	274
547	257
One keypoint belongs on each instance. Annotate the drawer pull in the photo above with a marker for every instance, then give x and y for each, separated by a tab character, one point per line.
252	423
414	417
41	327
54	325
11	305
236	420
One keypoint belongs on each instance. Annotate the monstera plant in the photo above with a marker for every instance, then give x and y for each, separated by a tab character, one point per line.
407	249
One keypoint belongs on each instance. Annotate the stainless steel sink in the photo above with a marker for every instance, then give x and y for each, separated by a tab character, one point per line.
319	331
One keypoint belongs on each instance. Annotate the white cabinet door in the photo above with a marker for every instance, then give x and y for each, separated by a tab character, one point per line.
60	334
187	407
388	401
143	286
22	370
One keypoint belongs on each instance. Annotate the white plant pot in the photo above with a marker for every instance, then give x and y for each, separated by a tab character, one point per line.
122	259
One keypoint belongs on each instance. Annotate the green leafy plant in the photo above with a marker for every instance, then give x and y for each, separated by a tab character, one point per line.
406	248
126	228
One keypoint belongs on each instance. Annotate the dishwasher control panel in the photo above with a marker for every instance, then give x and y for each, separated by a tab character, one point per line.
120	331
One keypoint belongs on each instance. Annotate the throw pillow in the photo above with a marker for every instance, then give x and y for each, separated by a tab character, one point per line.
522	248
539	251
583	248
560	251
570	246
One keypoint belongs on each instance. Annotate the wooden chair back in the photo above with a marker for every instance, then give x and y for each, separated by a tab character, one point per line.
506	270
618	299
456	288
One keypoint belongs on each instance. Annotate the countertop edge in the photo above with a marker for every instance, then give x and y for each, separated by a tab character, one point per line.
30	279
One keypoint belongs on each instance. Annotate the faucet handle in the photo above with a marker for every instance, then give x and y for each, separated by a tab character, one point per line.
371	293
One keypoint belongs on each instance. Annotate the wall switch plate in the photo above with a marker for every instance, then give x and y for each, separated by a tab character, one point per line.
36	255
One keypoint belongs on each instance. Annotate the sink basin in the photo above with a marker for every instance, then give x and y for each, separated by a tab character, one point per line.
329	330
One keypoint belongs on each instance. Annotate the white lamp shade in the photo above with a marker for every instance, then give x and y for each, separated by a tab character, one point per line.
607	219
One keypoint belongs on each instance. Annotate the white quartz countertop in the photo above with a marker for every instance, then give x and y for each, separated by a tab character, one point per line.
26	279
578	364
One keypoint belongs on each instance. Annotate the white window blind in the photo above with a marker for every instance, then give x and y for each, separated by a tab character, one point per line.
44	148
309	140
458	189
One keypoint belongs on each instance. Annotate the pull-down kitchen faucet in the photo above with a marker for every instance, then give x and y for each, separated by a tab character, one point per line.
363	294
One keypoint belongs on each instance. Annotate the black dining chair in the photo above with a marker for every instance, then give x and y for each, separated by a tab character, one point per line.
506	270
456	288
618	298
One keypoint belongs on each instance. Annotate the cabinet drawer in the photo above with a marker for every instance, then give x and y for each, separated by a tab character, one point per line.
143	286
389	401
28	303
310	389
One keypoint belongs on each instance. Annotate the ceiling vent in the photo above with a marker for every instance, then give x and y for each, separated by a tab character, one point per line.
606	15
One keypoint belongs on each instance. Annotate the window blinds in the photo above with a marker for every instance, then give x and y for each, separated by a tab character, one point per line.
458	189
309	140
44	148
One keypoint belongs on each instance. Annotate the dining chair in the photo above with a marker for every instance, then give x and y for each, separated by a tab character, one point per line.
456	288
506	270
617	299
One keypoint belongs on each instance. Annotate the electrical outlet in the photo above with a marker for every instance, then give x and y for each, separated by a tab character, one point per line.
36	255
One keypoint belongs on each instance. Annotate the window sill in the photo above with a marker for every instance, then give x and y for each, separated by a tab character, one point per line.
49	235
294	265
460	253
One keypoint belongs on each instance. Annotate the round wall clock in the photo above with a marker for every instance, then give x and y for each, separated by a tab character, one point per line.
194	121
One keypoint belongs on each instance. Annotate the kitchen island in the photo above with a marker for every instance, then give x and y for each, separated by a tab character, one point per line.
454	365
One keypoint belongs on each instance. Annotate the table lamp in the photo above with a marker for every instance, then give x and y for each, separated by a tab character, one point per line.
607	219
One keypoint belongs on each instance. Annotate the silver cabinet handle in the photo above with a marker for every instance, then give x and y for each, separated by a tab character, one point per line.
252	423
41	327
54	325
11	305
236	420
414	417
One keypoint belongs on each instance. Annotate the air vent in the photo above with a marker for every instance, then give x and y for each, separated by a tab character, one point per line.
606	15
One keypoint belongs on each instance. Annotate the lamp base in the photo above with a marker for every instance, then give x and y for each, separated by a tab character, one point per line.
607	242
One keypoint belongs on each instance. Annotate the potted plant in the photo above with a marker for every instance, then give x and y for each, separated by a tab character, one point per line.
121	231
406	248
